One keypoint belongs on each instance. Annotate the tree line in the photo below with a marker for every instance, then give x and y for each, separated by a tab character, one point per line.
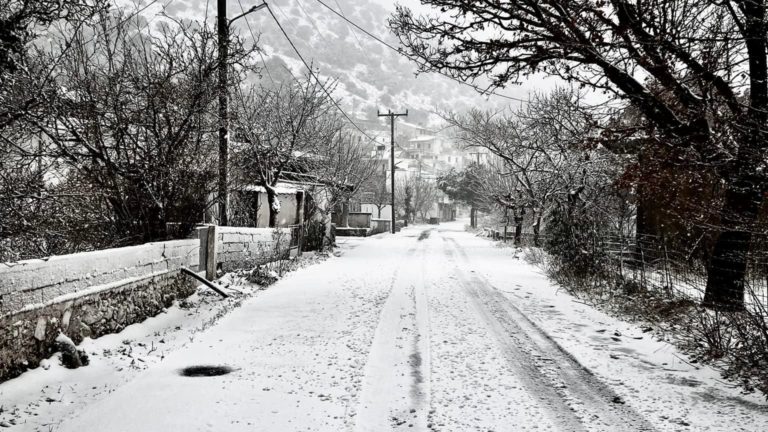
691	76
108	126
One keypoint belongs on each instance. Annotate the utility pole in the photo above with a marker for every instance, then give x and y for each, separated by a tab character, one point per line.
392	116
222	24
223	40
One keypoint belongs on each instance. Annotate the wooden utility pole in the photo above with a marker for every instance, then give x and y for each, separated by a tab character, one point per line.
392	116
223	40
222	24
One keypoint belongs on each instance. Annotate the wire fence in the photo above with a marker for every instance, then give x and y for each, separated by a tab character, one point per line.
658	265
653	264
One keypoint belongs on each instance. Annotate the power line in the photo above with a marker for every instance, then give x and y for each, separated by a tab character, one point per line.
311	21
70	43
312	73
253	36
393	48
359	42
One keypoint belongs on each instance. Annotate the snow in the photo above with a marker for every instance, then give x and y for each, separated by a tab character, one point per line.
649	374
422	138
280	188
64	339
447	332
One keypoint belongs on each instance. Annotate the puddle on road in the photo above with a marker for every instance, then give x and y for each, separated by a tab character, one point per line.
205	371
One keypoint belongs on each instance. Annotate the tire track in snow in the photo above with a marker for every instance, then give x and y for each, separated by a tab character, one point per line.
574	397
395	393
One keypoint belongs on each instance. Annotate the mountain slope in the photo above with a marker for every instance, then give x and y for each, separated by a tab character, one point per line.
370	75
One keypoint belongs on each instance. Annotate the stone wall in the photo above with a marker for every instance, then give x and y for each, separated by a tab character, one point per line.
95	293
32	283
27	337
352	232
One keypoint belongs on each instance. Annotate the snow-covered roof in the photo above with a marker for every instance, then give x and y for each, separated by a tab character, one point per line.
280	188
422	138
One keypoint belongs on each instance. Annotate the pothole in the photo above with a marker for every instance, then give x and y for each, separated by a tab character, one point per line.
205	371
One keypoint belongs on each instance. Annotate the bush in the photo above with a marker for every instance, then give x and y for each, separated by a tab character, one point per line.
314	235
575	242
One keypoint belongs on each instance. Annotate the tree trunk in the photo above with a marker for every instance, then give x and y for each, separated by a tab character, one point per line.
274	206
536	230
727	268
518	230
344	213
472	217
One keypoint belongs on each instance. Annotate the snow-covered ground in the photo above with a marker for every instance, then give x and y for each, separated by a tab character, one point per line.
447	332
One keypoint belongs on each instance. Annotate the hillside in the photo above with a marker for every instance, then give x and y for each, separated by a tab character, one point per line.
370	75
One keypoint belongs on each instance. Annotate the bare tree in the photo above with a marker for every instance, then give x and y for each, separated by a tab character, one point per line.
30	225
706	92
344	166
374	190
543	150
23	81
281	129
129	116
415	195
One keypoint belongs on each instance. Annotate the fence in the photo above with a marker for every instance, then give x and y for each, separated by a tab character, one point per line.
653	263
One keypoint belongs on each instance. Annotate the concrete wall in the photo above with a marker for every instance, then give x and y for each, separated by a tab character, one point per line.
359	220
245	216
247	247
380	226
386	211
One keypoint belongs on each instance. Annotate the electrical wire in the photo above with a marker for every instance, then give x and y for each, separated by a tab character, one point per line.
70	43
311	21
359	42
393	48
253	36
312	73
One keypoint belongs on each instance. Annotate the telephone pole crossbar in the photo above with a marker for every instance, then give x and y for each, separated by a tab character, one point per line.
392	117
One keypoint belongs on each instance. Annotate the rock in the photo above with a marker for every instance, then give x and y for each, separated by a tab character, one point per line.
40	328
85	330
91	315
120	315
65	319
71	357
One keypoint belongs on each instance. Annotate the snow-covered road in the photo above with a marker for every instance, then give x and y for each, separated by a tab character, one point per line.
429	329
